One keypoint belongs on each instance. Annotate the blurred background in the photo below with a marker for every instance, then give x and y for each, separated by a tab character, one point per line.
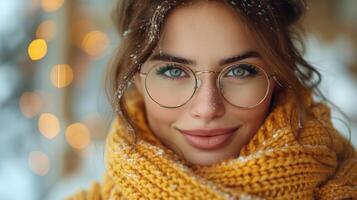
54	113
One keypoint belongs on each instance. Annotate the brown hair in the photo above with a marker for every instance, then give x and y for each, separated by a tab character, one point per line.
273	23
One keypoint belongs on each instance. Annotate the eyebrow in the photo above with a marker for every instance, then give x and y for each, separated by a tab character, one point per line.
171	58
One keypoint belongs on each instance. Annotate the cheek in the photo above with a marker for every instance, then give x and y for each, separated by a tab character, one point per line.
159	118
160	121
253	118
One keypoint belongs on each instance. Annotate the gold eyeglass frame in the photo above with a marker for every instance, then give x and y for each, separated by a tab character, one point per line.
198	82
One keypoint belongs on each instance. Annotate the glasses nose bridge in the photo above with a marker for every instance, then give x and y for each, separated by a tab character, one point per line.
205	71
198	83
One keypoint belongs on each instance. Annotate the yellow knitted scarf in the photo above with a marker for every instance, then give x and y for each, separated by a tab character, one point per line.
320	164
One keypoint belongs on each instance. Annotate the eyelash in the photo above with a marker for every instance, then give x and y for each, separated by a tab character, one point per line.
162	70
252	70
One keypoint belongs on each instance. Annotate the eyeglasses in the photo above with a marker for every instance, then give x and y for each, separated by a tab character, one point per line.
171	85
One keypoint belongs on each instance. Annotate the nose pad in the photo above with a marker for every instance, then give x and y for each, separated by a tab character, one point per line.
198	84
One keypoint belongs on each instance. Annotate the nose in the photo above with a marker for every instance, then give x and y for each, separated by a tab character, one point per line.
207	104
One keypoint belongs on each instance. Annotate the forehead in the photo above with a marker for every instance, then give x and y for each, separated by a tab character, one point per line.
205	31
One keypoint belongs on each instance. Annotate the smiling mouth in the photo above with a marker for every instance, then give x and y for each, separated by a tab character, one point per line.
208	139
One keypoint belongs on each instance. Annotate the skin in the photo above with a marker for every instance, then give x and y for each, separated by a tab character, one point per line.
205	32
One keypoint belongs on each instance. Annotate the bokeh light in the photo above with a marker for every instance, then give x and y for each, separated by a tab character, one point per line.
37	49
61	75
48	125
78	136
46	30
51	5
31	104
39	163
95	43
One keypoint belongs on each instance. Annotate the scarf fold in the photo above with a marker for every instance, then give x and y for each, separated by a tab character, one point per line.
320	164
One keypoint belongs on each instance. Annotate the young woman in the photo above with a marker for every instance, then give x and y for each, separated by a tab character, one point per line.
220	107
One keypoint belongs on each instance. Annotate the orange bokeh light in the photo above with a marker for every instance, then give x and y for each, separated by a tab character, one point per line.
61	75
31	104
95	43
39	163
37	49
78	136
48	125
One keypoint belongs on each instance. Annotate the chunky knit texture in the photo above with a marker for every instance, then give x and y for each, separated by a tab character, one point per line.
320	164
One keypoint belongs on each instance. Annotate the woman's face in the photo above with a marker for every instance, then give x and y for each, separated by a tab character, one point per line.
207	129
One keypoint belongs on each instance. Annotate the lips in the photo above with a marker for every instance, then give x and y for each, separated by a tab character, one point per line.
208	139
208	132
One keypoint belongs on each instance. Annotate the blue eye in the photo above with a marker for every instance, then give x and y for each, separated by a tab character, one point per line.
242	71
171	71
